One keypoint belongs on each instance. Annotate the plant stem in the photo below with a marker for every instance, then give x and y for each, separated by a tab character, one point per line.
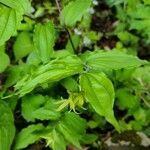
69	35
70	39
58	6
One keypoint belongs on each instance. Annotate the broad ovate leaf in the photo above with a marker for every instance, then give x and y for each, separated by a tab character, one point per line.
7	128
38	107
28	136
99	92
24	6
44	39
54	71
74	11
9	22
73	128
23	45
111	60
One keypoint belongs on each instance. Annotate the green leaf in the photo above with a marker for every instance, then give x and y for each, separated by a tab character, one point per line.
7	128
61	54
4	61
24	6
140	114
2	48
28	136
54	71
12	102
44	39
89	138
139	19
33	58
23	45
147	2
15	74
73	128
140	11
55	140
69	129
127	37
99	92
110	60
147	131
140	24
70	84
9	22
143	74
114	2
38	107
58	141
74	11
126	99
76	39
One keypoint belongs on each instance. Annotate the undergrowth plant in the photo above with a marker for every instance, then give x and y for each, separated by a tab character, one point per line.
55	90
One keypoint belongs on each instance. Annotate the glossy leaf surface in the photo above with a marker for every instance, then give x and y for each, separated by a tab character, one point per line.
24	6
110	60
99	92
10	20
44	38
49	73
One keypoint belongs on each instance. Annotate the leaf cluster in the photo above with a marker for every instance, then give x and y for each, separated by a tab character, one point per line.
63	93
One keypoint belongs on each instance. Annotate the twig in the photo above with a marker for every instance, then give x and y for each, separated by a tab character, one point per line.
69	35
58	6
70	39
145	101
